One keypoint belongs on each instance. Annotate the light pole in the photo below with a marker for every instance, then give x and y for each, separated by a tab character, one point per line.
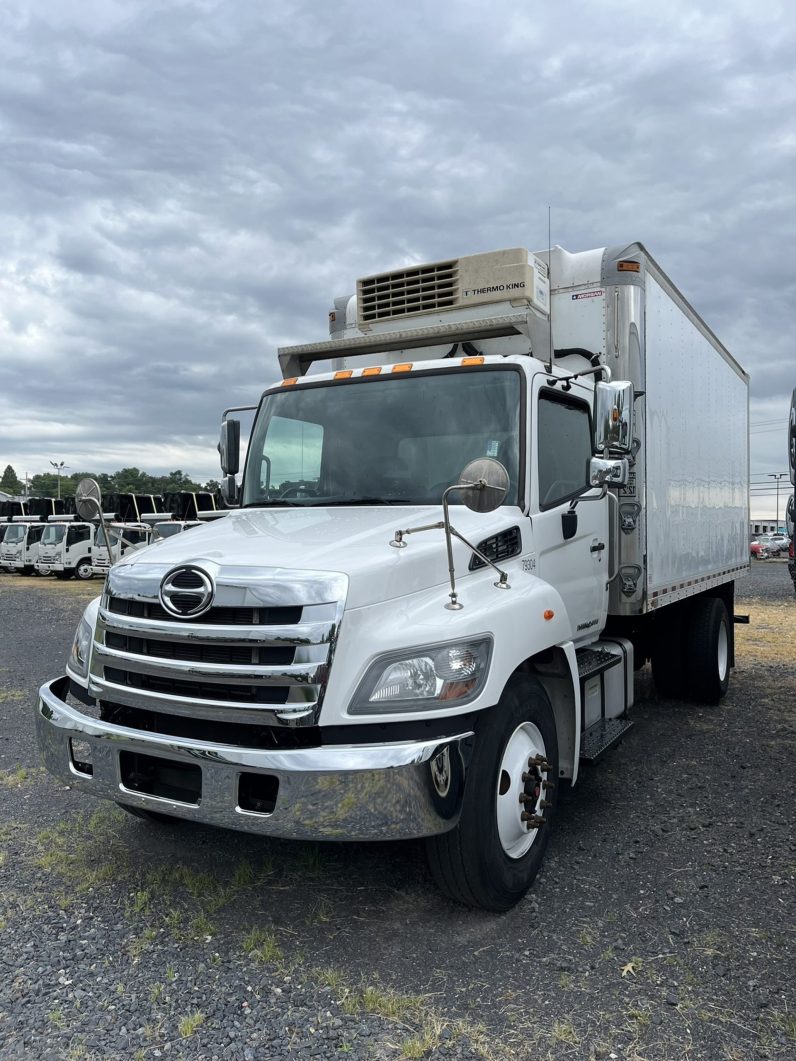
59	467
777	476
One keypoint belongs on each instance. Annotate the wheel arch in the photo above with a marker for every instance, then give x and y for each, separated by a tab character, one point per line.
556	670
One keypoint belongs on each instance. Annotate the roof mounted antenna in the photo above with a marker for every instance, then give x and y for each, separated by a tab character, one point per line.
550	289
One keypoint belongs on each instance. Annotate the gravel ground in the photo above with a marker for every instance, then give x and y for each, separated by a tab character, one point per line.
661	926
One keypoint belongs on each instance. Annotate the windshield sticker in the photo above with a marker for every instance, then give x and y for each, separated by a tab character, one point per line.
588	294
492	448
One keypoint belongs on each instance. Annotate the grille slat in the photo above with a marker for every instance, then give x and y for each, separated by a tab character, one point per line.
258	666
408	291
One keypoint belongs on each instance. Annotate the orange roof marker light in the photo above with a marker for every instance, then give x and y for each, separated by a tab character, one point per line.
405	367
345	373
374	370
472	360
290	381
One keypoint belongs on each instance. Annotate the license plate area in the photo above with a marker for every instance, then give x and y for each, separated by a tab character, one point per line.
164	778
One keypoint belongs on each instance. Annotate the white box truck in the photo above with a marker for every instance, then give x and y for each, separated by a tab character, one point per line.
65	549
516	477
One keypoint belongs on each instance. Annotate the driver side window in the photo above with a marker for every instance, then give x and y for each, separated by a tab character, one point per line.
563	433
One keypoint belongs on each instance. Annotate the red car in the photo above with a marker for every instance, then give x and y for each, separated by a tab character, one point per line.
758	551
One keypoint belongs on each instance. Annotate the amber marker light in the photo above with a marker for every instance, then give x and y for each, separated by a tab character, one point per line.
289	382
406	367
375	370
472	360
345	373
548	615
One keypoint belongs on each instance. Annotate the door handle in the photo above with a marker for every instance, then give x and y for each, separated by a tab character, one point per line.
598	548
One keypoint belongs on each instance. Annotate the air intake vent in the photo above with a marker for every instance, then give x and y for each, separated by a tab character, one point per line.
409	291
499	547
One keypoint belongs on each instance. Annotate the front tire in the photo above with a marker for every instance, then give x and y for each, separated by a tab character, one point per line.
708	656
84	570
490	859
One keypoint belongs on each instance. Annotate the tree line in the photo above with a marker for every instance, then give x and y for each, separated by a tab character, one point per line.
125	481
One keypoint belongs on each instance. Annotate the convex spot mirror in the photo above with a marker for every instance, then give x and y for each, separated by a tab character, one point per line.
229	446
483	485
608	472
88	499
613	416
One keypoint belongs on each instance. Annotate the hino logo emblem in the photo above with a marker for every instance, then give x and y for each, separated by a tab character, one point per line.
186	592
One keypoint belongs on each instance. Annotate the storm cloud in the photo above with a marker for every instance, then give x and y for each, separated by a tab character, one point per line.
187	185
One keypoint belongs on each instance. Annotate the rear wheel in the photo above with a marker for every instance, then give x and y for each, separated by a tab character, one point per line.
668	655
492	856
708	654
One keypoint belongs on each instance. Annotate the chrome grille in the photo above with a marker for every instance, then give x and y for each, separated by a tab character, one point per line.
265	664
408	291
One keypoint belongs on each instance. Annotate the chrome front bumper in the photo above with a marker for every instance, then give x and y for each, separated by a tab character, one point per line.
336	792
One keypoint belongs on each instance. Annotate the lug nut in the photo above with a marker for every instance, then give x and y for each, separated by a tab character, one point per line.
534	820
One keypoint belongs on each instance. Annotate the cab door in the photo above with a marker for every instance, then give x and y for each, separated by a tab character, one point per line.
572	553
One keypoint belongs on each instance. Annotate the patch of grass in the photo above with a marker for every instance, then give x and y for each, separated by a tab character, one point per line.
142	943
786	1023
141	903
202	926
320	912
14	695
563	1031
156	993
261	944
56	1018
14	778
189	1025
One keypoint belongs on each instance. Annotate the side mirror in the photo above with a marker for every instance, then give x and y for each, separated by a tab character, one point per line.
229	490
483	484
613	417
229	446
608	472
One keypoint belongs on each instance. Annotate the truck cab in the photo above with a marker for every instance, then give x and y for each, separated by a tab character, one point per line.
65	550
20	547
124	537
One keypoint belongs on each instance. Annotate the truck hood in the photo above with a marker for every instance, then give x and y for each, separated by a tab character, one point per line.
352	541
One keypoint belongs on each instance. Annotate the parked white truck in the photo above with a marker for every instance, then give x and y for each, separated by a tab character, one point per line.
124	537
449	553
19	550
65	550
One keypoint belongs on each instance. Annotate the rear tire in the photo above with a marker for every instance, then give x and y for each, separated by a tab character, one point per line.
490	859
708	651
668	655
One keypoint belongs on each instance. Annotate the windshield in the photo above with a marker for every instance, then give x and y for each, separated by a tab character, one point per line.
14	534
166	530
53	534
398	439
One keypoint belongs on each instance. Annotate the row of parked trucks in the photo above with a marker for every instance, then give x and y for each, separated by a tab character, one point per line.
45	535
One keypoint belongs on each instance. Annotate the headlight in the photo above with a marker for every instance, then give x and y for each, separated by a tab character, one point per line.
81	649
435	676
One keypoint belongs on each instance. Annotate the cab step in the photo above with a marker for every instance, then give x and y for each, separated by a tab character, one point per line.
601	736
593	661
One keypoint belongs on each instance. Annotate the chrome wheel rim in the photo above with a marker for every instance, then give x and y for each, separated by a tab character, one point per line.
723	652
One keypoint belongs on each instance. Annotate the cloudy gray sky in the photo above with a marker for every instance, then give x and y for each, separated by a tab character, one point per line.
186	184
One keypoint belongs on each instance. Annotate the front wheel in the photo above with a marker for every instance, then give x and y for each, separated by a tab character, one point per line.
84	570
492	856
